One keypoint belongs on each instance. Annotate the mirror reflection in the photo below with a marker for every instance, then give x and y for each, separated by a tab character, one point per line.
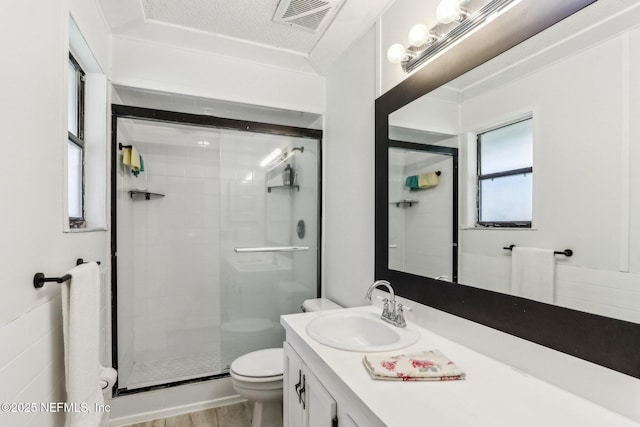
571	92
421	210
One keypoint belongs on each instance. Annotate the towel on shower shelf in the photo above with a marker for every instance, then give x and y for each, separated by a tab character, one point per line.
81	323
131	157
532	271
422	181
126	156
424	366
140	169
427	180
412	182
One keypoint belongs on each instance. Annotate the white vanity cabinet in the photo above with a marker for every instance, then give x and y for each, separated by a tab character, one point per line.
306	402
492	395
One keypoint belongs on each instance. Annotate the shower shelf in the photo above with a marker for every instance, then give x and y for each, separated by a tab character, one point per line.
147	194
404	202
297	187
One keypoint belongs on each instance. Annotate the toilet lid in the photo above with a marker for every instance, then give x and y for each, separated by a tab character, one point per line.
261	363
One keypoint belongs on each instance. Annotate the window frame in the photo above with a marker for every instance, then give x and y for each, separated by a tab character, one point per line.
505	173
78	137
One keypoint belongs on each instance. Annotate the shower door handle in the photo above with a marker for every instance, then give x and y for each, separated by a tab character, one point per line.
272	249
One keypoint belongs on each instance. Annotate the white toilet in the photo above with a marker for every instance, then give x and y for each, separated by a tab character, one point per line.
257	376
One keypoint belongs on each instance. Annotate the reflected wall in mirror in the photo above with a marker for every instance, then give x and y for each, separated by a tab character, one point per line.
422	209
578	81
582	92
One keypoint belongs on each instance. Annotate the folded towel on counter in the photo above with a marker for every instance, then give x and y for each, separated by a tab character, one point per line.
424	366
427	180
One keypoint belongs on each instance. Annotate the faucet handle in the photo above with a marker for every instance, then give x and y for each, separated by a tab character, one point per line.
404	307
386	314
400	321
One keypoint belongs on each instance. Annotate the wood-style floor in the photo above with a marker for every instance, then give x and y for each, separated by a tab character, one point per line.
238	415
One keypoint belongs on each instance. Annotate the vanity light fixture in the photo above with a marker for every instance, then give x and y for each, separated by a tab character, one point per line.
449	11
425	42
420	35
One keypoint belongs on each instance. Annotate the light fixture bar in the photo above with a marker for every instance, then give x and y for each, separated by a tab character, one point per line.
476	19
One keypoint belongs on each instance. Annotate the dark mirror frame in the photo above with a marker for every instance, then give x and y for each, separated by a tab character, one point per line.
608	342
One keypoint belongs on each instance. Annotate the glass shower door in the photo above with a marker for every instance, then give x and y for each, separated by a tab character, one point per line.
205	237
269	236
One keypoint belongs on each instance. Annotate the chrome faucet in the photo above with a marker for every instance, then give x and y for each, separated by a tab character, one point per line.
391	313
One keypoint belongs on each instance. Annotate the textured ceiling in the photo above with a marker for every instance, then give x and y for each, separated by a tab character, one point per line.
242	29
248	20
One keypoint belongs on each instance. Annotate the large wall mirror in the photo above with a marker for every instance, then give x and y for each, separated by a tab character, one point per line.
566	75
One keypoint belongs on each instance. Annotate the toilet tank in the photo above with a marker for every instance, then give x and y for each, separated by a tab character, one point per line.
319	304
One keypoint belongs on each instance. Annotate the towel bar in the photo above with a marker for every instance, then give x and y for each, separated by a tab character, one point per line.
272	249
81	261
39	279
566	252
120	146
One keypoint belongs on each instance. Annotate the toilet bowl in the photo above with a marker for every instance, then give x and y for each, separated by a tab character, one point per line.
257	376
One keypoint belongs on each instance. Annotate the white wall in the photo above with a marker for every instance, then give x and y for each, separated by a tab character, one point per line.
160	67
579	180
348	233
348	205
34	128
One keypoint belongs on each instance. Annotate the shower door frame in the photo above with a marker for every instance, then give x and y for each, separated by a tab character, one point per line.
119	111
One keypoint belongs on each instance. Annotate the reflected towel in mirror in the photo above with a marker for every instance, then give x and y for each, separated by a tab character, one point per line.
532	271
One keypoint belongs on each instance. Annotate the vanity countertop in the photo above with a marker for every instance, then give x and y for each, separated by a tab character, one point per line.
493	394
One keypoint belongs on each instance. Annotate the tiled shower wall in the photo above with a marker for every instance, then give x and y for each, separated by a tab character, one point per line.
174	256
182	289
421	234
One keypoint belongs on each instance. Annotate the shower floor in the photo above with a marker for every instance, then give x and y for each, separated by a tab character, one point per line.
154	372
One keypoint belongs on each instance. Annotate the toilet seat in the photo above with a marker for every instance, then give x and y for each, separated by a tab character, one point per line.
259	366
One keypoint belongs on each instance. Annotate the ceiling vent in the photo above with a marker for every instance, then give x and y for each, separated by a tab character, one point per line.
310	15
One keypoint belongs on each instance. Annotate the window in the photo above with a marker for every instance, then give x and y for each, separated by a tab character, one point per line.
505	169
75	144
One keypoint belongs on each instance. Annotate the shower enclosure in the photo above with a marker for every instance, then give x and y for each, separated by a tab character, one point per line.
212	241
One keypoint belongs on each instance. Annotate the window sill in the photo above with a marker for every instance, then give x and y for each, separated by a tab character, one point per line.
84	230
500	228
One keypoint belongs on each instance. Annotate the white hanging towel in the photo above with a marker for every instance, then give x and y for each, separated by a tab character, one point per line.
532	273
81	323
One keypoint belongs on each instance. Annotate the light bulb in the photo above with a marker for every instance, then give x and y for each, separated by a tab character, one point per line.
396	53
419	35
449	11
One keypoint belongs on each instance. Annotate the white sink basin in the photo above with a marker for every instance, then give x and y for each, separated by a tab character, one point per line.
360	331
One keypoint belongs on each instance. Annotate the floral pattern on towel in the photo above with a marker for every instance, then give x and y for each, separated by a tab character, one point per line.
424	366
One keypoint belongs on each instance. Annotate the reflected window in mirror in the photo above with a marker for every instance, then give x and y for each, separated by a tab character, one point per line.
505	175
587	195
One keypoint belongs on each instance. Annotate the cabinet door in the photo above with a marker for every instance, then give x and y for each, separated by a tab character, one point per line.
319	407
292	384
